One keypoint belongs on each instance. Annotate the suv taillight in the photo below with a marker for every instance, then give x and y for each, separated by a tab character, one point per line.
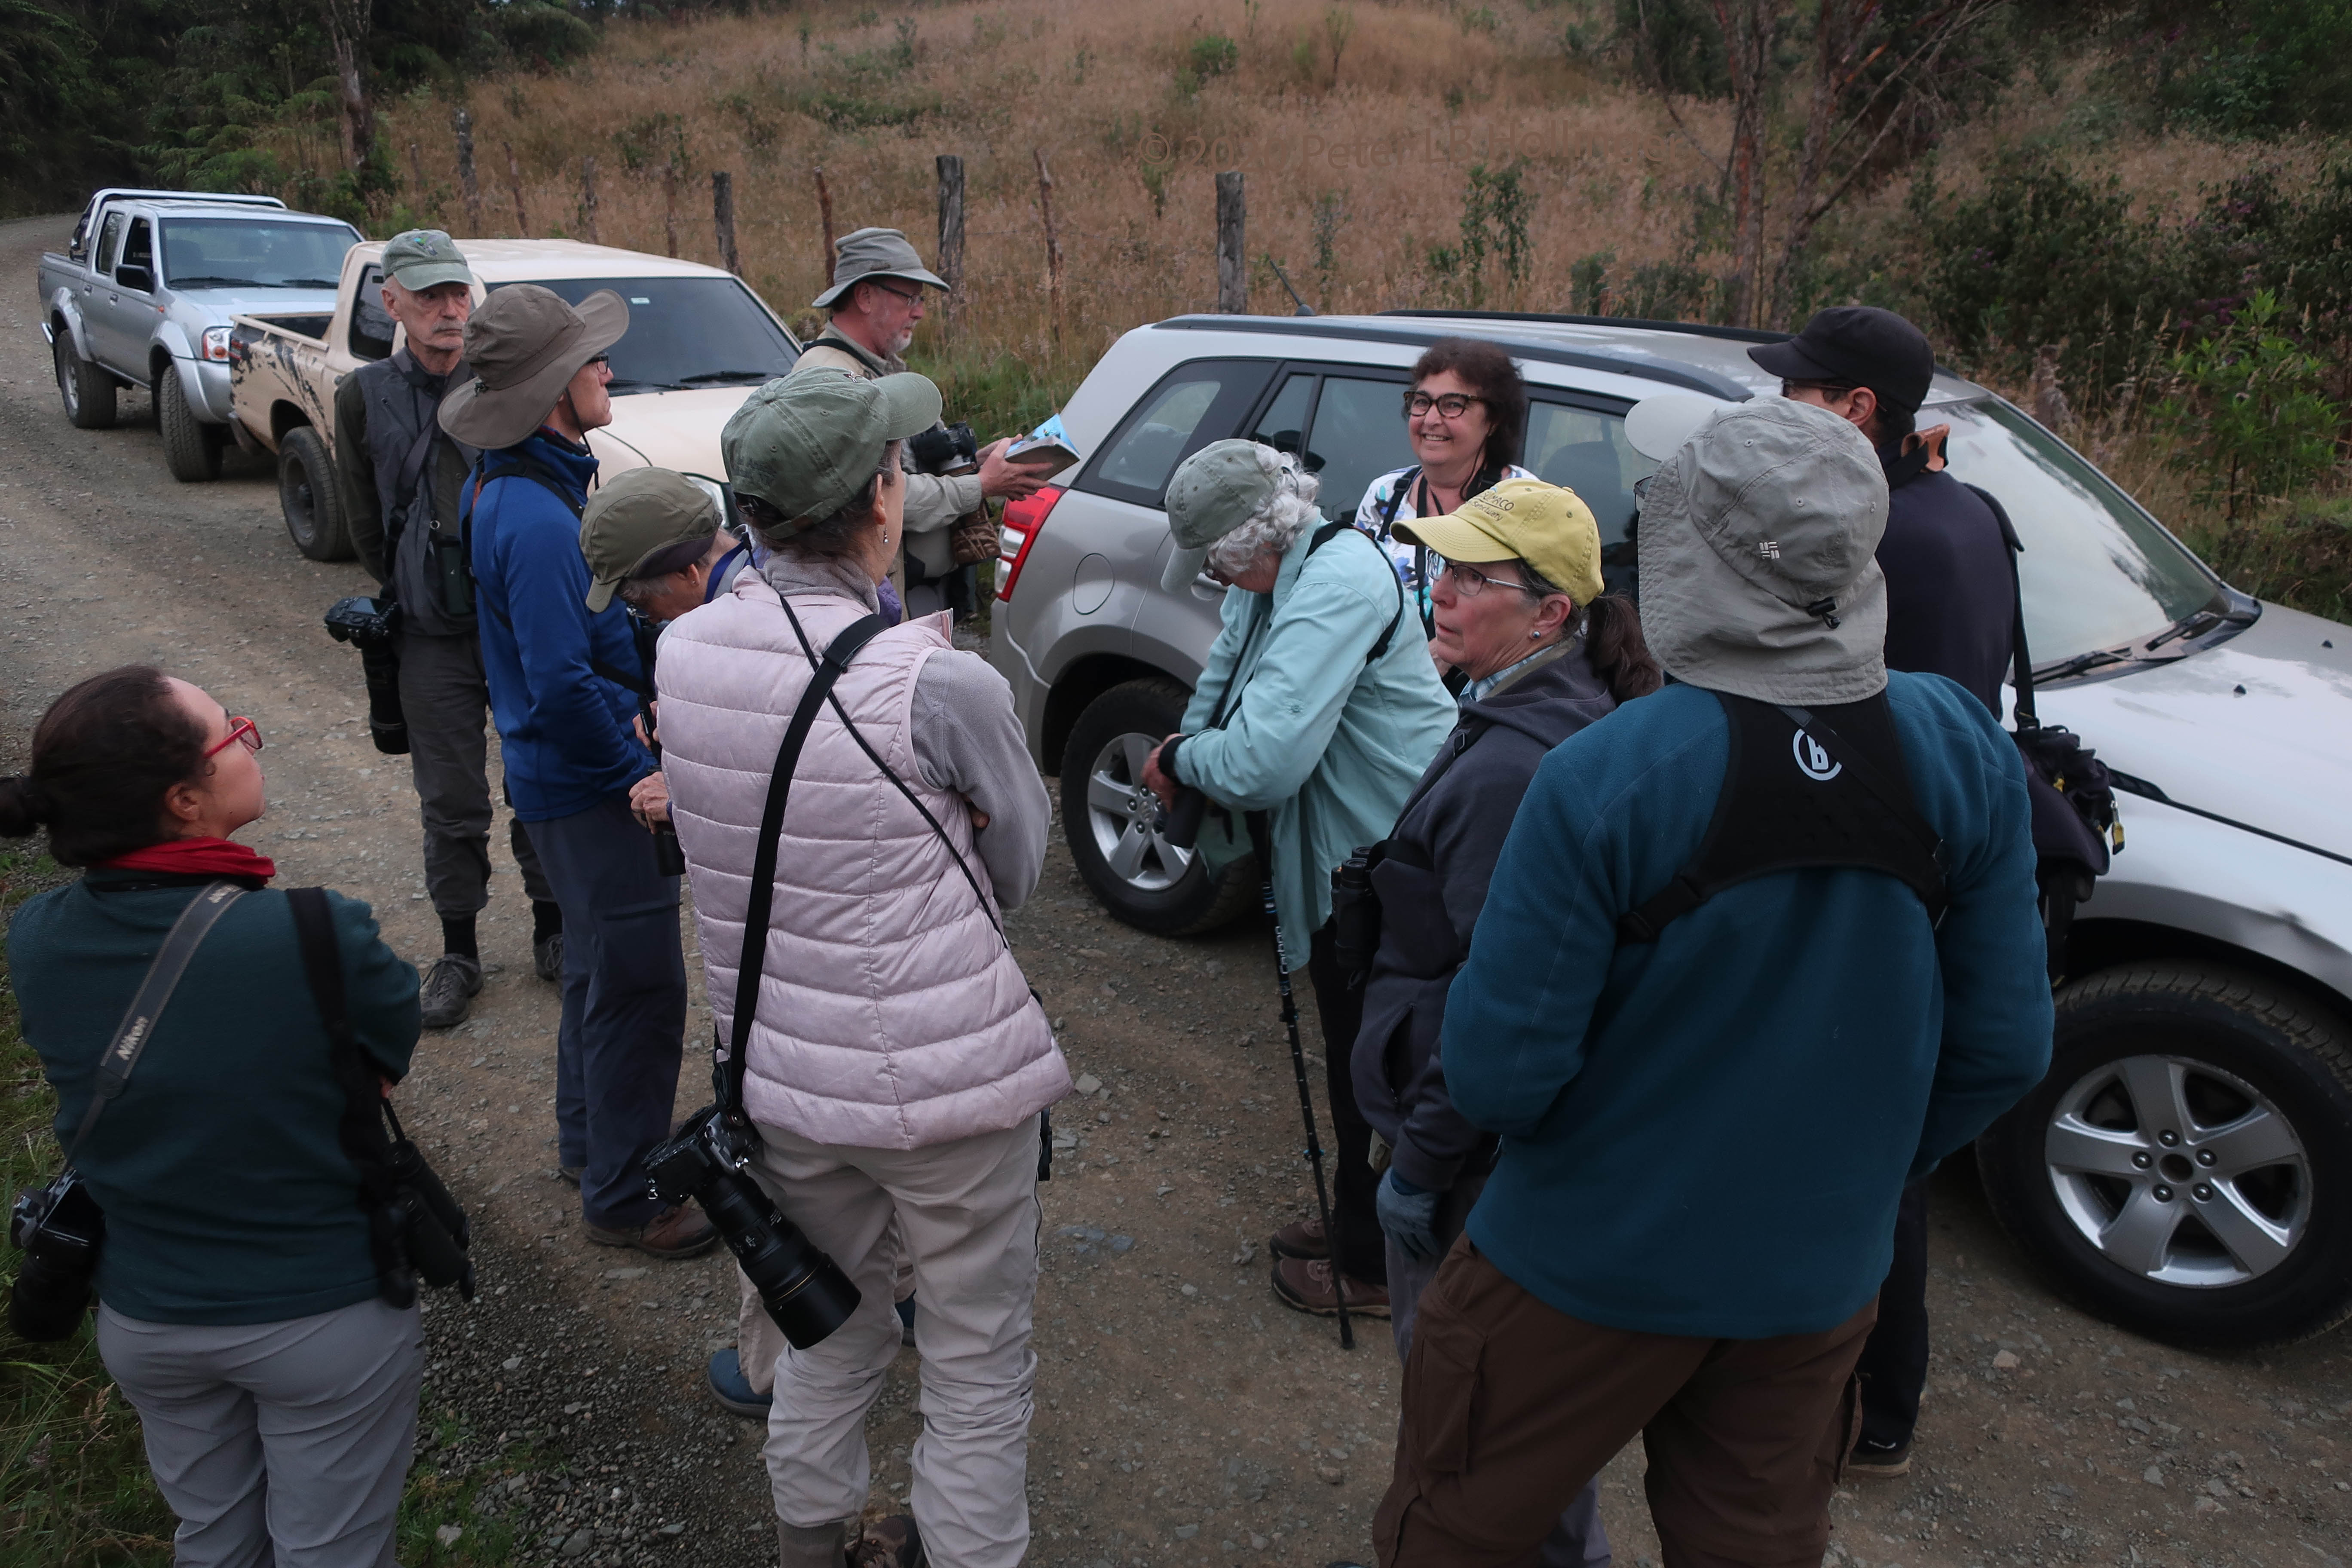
1022	520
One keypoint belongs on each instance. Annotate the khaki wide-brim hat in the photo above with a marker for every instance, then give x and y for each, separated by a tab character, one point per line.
870	253
524	345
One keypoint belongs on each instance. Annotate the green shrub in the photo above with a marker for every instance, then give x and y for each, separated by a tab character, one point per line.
2247	416
1212	55
2262	68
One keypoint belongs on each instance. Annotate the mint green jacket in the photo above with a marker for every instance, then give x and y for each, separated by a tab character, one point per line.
1326	743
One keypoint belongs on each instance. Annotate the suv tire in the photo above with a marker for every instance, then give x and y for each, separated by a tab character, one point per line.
192	448
2186	1104
86	391
1106	813
308	497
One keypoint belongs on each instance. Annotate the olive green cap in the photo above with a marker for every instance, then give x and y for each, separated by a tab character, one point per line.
424	258
807	444
635	516
1212	493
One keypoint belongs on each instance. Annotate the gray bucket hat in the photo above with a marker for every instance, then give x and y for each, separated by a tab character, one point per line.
807	444
1212	493
423	257
1757	550
874	253
524	345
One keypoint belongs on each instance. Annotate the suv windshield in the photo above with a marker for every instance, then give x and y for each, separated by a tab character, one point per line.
2098	572
689	332
253	253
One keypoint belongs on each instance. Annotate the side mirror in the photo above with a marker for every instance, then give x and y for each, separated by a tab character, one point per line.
131	275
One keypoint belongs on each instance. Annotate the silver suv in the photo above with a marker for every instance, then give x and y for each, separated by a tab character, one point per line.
2186	1169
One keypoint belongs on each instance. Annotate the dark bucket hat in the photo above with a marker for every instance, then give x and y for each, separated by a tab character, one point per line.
524	345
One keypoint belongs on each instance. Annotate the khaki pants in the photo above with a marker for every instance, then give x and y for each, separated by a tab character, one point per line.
759	1345
1510	1408
968	1213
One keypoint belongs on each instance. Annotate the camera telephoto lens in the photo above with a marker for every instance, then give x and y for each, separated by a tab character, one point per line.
802	1290
60	1232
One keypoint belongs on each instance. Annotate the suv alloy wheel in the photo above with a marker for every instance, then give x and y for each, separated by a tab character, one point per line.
2185	1169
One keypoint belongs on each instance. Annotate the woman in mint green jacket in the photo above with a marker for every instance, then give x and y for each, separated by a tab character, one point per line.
1319	706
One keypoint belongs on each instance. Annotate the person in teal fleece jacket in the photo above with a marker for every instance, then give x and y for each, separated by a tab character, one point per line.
1704	1136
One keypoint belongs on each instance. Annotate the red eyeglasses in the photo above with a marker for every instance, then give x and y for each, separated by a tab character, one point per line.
239	729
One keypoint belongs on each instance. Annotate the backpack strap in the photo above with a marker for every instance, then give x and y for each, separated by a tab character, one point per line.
2020	656
361	1131
1331	530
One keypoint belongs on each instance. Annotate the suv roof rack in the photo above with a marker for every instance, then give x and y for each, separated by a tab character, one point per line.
1695	329
1689	377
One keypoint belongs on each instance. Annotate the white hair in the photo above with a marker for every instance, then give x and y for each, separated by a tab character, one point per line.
1274	527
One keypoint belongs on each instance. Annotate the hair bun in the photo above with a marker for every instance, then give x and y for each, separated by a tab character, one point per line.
23	806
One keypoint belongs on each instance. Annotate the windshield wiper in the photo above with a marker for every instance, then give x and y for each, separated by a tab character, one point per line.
712	376
204	282
2081	662
2198	624
306	283
622	382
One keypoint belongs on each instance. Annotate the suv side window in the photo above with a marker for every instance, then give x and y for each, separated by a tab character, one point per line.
1358	434
1192	405
372	325
1584	450
109	243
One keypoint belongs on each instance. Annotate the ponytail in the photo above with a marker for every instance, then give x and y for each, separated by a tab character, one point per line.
1614	647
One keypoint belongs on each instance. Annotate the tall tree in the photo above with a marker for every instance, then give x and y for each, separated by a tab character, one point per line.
349	24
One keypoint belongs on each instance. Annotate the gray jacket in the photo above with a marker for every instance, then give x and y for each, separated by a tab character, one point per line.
1441	856
381	409
933	502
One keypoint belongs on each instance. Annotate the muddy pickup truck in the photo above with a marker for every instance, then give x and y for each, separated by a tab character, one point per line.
698	341
144	295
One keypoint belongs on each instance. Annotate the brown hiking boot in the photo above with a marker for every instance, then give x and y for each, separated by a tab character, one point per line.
1300	1238
892	1542
678	1232
1304	1285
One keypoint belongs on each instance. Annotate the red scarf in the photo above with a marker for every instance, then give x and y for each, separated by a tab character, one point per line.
196	857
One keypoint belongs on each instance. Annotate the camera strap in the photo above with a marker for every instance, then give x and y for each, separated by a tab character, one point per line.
138	1025
758	902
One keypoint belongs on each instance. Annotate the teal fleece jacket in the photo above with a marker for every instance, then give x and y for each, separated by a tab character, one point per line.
227	1195
1708	1135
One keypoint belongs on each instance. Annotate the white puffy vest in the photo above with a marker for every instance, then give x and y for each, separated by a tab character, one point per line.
889	1015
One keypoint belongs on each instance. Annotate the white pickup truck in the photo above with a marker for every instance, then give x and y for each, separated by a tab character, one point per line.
698	341
144	294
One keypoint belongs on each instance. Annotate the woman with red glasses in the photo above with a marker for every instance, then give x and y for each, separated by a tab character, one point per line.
241	1310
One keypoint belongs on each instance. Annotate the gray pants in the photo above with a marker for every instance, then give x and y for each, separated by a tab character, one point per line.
446	701
278	1445
1579	1539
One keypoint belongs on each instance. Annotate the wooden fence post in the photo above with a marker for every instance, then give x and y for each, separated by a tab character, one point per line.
1052	246
464	122
950	169
588	200
824	216
1233	259
417	170
669	203
722	219
514	184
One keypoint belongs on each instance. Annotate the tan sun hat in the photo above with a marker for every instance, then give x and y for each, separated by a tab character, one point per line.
874	253
1546	526
524	345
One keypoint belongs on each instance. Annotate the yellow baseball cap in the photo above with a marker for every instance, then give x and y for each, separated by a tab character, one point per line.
1548	527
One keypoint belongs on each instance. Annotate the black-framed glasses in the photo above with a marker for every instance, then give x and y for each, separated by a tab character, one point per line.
599	362
1453	404
1836	391
915	296
1469	581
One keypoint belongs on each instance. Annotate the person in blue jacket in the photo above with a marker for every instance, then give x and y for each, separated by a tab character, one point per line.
559	678
1758	950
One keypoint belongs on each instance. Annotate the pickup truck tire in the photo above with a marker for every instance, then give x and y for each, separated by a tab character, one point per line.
86	391
2185	1169
306	495
192	448
1106	818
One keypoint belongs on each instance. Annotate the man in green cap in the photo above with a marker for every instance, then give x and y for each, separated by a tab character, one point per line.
894	1060
399	474
876	301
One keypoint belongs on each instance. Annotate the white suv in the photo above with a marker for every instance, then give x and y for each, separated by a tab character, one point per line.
2186	1169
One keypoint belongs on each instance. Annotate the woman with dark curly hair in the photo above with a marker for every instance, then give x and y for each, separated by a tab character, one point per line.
241	1306
1466	416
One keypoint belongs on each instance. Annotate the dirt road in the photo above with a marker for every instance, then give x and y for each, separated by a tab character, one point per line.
1183	1416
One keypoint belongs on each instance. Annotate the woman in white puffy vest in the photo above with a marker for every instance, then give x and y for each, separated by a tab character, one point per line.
899	1061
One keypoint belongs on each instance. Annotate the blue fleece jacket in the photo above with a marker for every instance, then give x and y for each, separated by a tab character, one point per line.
1707	1135
564	728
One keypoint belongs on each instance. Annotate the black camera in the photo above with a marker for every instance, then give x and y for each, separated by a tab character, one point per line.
60	1228
1356	914
1180	823
802	1290
371	625
944	449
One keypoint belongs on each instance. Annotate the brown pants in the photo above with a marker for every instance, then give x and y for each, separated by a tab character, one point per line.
1511	1407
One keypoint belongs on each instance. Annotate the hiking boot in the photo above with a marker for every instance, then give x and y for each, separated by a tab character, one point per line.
449	989
676	1232
732	1389
892	1542
569	1174
1879	1462
547	955
1300	1238
1304	1285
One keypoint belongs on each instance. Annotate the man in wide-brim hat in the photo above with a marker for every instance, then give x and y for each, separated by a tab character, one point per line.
538	387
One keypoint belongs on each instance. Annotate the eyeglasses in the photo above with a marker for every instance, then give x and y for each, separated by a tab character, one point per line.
1836	391
600	362
240	730
1453	404
911	299
1470	583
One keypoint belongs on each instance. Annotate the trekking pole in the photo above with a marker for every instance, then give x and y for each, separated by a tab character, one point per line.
1258	843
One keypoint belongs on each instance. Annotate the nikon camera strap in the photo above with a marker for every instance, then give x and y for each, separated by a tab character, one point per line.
759	899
